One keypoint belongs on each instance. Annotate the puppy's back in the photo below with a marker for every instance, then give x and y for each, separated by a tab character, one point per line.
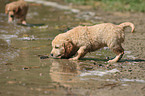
16	4
106	34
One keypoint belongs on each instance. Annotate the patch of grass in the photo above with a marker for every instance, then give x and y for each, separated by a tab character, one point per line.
114	5
82	2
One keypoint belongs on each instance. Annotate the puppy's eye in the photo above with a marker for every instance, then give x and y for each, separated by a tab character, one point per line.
56	47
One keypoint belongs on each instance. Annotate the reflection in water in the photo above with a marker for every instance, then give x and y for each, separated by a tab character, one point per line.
64	71
68	73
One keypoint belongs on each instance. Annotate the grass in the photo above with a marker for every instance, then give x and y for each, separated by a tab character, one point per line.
114	5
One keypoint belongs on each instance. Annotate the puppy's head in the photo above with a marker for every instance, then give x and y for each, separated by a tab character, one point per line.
11	11
61	47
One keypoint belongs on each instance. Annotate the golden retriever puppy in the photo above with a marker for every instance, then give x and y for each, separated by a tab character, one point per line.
17	9
83	39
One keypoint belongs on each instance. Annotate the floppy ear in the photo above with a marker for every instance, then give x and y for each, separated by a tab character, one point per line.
17	10
68	47
6	9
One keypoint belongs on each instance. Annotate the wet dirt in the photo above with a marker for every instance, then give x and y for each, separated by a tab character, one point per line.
27	70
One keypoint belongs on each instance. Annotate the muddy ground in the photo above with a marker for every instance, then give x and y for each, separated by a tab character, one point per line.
23	71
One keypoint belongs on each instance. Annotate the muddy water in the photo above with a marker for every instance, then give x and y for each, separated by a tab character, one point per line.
24	73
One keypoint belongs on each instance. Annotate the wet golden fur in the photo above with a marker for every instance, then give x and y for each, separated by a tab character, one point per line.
17	9
83	39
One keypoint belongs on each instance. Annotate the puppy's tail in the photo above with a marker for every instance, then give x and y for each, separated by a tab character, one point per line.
127	24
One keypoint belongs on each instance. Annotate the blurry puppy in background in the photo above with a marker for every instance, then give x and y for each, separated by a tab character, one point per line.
17	9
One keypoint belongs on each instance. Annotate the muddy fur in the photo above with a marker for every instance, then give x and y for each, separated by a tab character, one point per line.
17	9
83	39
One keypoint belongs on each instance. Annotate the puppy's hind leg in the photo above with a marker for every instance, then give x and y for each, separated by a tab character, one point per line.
80	53
119	51
23	20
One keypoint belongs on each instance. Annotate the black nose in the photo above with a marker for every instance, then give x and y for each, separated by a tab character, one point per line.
51	54
12	16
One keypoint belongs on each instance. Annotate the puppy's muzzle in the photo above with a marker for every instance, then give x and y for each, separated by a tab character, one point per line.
58	56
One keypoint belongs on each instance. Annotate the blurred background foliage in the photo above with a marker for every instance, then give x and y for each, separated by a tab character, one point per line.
114	5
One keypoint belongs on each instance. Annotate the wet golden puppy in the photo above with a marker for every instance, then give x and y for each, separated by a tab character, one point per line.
17	9
82	39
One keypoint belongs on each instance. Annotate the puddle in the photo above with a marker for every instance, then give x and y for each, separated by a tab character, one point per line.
99	73
124	80
127	52
131	57
6	51
8	38
132	80
27	69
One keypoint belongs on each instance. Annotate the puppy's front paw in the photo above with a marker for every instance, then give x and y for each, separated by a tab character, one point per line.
75	58
24	22
112	61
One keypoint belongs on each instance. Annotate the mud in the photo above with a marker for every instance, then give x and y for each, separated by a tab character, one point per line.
27	70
